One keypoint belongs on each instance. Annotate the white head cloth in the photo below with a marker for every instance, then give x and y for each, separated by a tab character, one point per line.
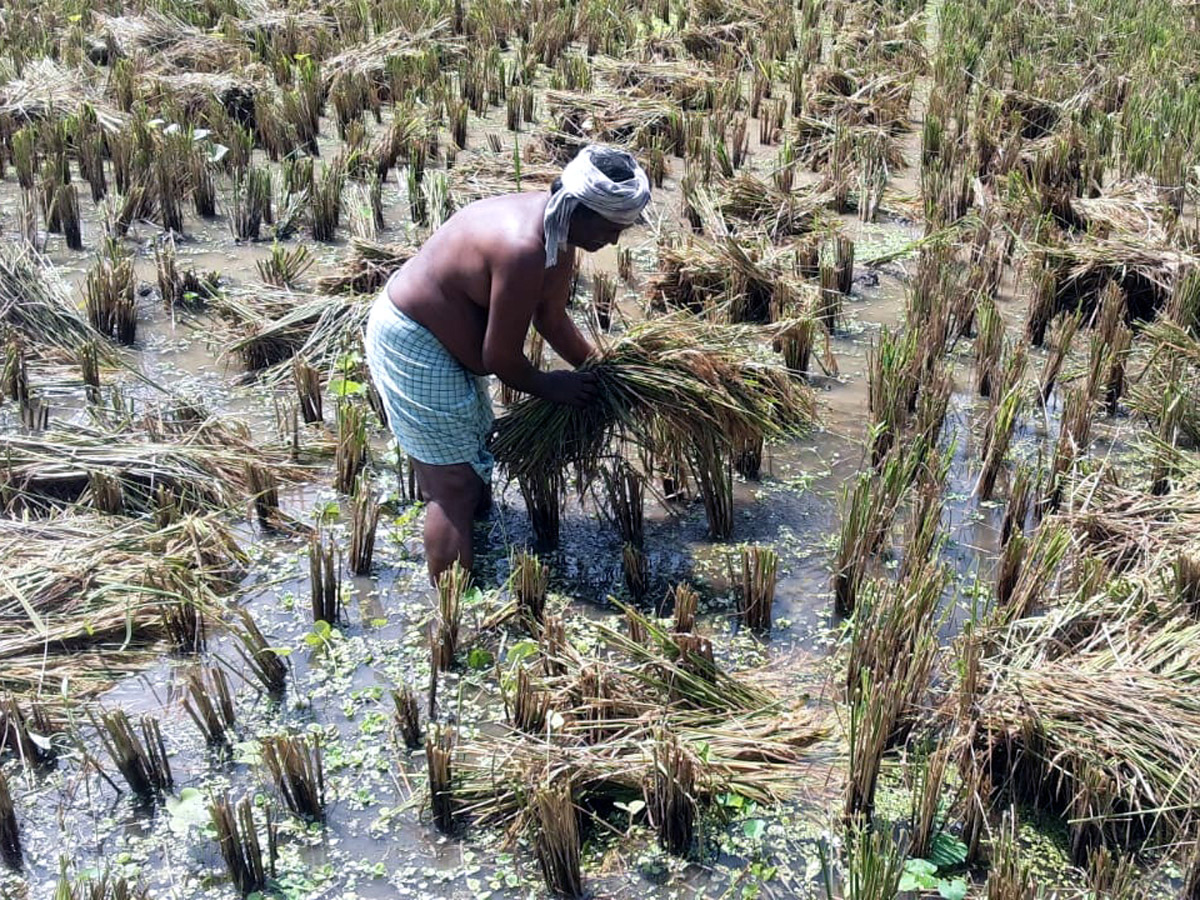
621	202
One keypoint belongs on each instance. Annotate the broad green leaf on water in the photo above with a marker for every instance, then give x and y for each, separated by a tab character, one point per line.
40	741
479	658
947	851
200	134
556	721
186	810
633	807
954	889
378	623
920	867
473	597
345	387
754	828
219	151
912	882
521	650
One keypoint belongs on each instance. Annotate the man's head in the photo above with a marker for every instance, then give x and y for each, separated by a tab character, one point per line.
601	192
588	229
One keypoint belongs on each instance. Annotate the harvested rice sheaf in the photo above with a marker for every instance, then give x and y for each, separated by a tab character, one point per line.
694	378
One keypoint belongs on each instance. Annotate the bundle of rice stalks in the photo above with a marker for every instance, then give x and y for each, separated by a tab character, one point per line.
394	49
272	328
675	377
614	700
264	663
47	90
731	279
580	119
84	601
407	717
367	268
763	205
556	839
878	101
173	45
194	92
38	304
1091	711
483	174
205	466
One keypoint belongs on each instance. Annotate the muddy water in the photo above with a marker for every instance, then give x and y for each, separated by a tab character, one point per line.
343	690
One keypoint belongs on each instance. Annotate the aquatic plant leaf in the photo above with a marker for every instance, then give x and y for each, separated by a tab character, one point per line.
954	889
947	851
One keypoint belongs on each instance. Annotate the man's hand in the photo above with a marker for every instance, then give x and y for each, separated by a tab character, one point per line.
576	389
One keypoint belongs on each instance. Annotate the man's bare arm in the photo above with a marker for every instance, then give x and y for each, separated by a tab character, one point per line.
515	292
563	335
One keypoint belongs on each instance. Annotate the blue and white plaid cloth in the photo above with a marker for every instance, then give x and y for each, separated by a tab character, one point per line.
439	411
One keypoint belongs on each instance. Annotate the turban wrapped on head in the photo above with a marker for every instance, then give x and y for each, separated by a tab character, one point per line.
583	182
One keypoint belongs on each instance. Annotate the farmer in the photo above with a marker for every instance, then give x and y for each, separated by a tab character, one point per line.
460	309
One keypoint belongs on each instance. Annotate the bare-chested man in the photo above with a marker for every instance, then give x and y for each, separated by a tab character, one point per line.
460	310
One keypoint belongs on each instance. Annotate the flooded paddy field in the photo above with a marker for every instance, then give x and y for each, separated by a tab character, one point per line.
937	636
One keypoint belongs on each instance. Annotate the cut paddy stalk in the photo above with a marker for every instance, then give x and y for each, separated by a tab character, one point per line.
209	701
406	718
1061	337
452	587
671	796
28	737
237	836
326	194
264	493
556	840
439	757
1020	501
1002	420
364	521
542	492
14	378
989	346
325	579
635	567
1009	876
249	203
308	388
604	298
684	603
626	491
109	295
1073	437
294	765
170	284
530	582
10	835
141	761
529	705
928	791
747	459
264	663
284	268
66	205
756	592
350	455
710	464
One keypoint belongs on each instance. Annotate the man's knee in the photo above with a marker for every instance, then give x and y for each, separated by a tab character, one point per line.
457	487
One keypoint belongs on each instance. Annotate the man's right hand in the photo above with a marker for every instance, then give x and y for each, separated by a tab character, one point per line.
576	389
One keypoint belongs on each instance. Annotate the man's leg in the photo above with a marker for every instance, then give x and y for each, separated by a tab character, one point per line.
453	494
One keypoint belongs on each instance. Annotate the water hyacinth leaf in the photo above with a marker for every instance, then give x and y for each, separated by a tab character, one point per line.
520	650
954	889
754	829
186	811
346	387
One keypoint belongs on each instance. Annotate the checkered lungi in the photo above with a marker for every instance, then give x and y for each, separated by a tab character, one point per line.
439	411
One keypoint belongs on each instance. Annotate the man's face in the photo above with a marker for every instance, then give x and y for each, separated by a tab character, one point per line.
590	231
